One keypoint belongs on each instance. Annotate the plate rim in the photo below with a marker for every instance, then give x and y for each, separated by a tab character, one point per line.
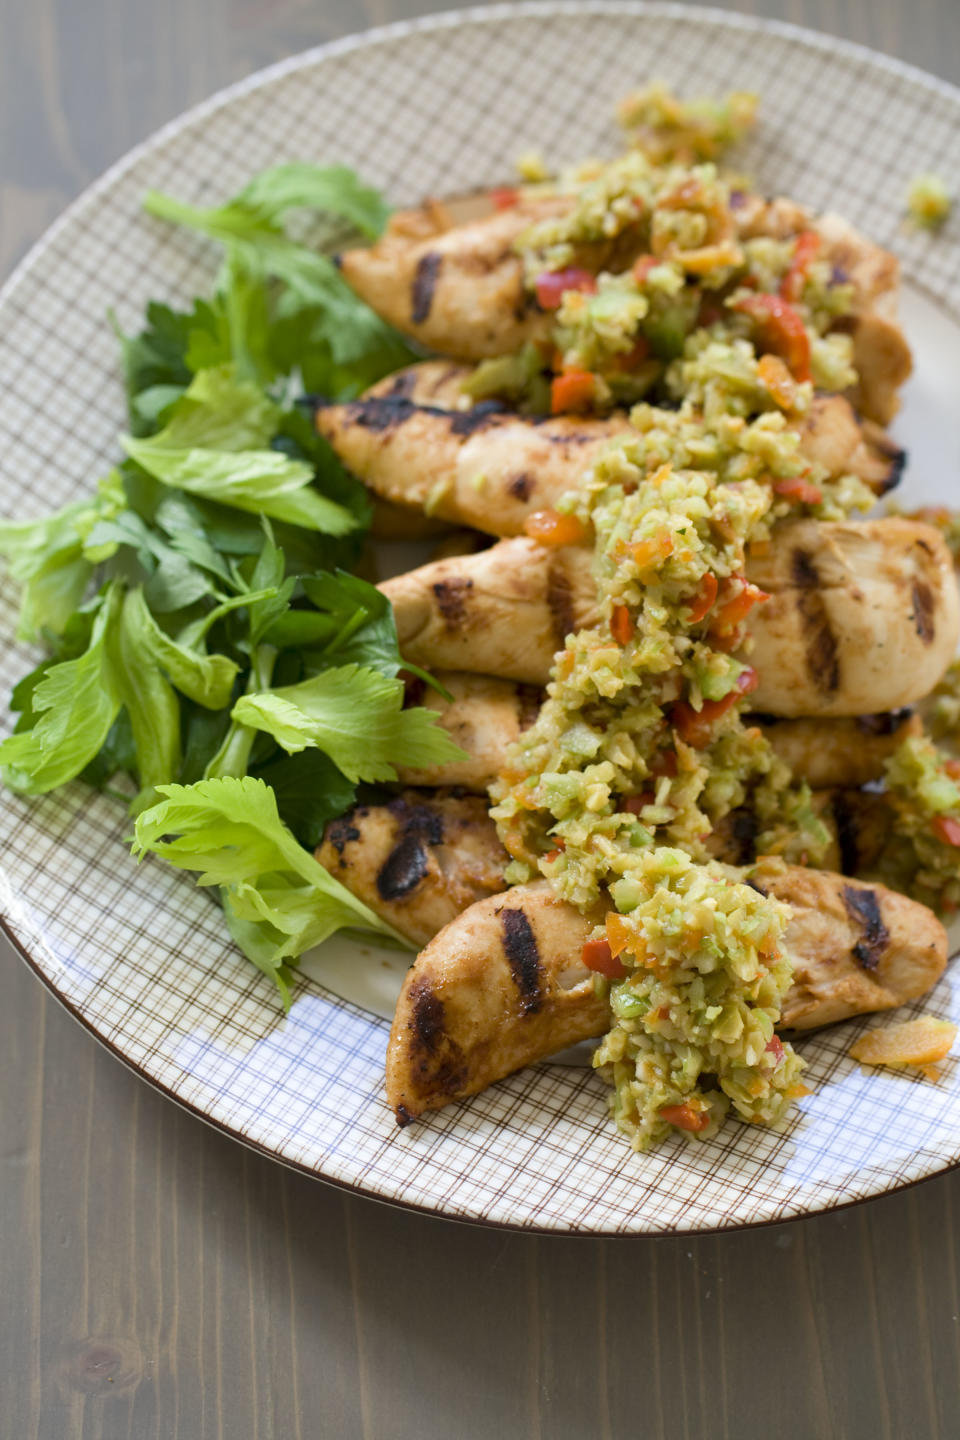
669	10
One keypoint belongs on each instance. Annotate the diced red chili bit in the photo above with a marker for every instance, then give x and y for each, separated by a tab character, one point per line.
695	727
552	285
573	390
633	804
552	527
775	1046
798	491
952	768
710	312
642	266
781	329
552	855
504	197
685	1117
806	248
702	603
597	956
632	359
737	606
621	625
947	829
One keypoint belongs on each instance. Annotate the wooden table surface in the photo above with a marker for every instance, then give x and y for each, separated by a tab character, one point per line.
157	1280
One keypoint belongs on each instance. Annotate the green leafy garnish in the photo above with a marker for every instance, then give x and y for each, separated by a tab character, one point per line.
73	707
278	900
215	444
205	638
355	716
313	321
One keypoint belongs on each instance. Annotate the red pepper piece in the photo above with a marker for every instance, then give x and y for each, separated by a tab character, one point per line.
504	197
621	625
703	601
552	285
573	390
597	956
737	607
781	329
695	727
806	248
798	490
947	829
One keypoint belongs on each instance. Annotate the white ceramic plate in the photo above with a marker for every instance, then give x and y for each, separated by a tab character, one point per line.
141	956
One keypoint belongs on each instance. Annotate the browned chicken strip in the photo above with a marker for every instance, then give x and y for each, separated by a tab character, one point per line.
413	439
842	752
484	716
855	947
459	289
862	616
504	612
832	435
418	861
479	466
504	984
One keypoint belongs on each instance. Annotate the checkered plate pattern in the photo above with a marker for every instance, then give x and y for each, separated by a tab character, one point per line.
140	955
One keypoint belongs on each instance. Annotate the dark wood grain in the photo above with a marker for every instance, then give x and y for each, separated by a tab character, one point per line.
159	1282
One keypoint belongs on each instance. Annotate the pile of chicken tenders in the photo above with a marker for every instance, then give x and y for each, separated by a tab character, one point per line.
862	622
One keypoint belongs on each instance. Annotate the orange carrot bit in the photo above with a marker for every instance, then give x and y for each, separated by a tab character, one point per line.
685	1117
573	390
552	527
776	378
914	1042
645	553
622	936
798	491
621	625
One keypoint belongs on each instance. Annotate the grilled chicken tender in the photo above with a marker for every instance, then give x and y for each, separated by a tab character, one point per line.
399	858
855	820
844	752
862	616
459	289
503	612
413	439
484	717
418	861
504	984
855	947
478	466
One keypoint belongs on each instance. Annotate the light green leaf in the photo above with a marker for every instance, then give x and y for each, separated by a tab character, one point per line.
215	445
278	899
207	679
148	697
75	704
219	412
355	716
